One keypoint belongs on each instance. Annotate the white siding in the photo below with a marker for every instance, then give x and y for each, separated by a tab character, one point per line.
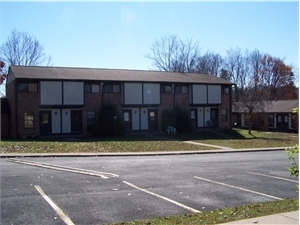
151	93
135	119
199	94
133	93
144	119
206	115
200	117
214	94
51	92
73	93
55	117
66	120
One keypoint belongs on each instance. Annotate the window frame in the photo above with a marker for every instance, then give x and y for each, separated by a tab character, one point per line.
28	122
163	88
224	116
111	88
29	87
179	89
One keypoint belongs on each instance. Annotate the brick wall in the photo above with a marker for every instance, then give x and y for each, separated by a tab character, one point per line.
226	104
27	102
10	94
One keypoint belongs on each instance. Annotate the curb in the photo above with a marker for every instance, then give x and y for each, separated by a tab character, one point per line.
219	151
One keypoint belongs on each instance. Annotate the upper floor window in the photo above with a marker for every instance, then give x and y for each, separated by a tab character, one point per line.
181	89
225	90
166	88
27	87
92	88
112	88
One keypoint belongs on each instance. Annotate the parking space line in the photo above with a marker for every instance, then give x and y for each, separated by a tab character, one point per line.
164	198
280	178
58	210
239	188
103	175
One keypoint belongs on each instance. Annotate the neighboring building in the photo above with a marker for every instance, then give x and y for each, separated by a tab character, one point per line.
5	117
273	115
56	100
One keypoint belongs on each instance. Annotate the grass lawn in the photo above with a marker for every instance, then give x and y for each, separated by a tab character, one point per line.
236	138
224	215
239	138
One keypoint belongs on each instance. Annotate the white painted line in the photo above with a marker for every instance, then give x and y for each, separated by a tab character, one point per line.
280	178
164	198
65	168
239	188
58	210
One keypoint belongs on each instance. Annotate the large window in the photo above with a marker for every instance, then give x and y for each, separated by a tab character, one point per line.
28	119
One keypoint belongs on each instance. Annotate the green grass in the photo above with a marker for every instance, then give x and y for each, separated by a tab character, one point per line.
224	215
236	138
239	138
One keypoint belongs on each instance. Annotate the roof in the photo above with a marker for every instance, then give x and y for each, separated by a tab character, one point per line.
5	105
94	74
279	106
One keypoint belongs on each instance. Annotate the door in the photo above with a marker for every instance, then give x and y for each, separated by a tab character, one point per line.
282	122
214	117
76	121
193	117
45	122
127	120
152	119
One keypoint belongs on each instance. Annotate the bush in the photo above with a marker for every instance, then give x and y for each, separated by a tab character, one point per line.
109	121
179	118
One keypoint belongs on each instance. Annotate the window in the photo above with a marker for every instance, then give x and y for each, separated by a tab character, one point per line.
27	87
166	88
112	88
271	120
91	88
28	119
181	89
223	115
91	118
22	87
225	90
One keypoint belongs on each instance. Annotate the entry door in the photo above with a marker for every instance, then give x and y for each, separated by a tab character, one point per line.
45	122
282	122
76	121
214	117
194	118
152	119
127	120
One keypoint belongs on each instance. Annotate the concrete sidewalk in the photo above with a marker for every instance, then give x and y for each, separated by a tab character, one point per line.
280	218
104	154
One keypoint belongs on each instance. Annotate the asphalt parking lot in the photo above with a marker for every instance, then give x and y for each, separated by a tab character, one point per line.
103	190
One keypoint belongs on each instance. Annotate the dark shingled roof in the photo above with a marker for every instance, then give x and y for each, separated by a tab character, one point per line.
93	74
279	106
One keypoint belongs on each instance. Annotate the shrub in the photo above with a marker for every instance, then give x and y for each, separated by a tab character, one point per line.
109	121
179	118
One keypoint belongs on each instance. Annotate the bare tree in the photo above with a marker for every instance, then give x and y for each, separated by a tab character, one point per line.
209	63
23	49
174	55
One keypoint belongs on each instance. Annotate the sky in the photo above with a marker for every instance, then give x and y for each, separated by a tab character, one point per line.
118	35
